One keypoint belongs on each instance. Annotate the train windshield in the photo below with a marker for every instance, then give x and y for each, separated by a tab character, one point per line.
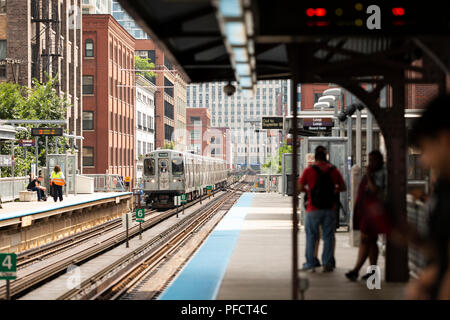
177	166
149	167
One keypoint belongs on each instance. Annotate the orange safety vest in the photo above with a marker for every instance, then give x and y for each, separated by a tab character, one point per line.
57	179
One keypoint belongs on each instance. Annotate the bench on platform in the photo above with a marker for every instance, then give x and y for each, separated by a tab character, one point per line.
27	196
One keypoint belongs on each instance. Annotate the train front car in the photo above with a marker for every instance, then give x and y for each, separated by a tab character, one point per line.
169	173
163	178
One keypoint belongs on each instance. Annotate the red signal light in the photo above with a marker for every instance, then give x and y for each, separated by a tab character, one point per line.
310	12
321	12
398	11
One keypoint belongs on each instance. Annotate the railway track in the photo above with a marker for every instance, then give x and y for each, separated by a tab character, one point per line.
115	280
28	282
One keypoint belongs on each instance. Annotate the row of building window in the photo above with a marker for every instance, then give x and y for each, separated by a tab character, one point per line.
145	122
144	147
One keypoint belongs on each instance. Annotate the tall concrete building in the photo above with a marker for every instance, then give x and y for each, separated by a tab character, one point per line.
109	97
242	115
40	38
127	22
96	6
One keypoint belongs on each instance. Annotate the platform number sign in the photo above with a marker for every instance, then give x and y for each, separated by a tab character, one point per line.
183	198
8	266
140	215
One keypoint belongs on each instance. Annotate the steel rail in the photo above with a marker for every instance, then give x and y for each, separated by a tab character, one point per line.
96	285
22	285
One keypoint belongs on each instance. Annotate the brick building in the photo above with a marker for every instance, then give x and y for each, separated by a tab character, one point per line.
108	97
170	97
198	127
39	37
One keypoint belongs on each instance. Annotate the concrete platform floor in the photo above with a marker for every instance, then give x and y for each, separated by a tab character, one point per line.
260	267
23	208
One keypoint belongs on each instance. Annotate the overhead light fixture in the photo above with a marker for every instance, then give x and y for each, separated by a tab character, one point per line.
240	55
249	23
230	8
235	32
243	69
236	23
246	82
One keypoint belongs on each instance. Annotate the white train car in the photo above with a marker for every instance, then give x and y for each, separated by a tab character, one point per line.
168	173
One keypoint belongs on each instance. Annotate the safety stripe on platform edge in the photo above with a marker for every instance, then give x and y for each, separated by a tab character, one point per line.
201	277
29	212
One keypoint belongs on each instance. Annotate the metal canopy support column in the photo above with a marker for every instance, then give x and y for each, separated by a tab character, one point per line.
294	55
395	138
358	139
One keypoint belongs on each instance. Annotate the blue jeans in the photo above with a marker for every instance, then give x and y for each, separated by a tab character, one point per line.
327	219
39	192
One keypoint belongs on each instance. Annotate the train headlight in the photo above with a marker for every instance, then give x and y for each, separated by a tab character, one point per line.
153	180
174	180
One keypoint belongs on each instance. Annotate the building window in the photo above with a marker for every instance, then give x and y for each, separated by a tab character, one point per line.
168	132
89	48
2	57
88	120
168	87
88	156
88	85
2	6
316	97
139	121
168	110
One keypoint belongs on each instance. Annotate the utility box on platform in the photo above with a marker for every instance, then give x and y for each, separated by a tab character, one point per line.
84	185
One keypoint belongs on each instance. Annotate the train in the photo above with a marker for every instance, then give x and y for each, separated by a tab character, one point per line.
170	173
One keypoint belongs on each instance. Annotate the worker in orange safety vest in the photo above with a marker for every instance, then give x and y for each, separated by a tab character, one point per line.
57	181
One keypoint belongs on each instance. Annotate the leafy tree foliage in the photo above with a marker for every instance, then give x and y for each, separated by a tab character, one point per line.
41	102
145	64
276	162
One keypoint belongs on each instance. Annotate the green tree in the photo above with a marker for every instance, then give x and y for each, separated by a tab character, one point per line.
144	64
276	162
40	102
169	145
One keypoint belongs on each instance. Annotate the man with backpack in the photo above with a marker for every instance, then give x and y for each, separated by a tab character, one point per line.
322	182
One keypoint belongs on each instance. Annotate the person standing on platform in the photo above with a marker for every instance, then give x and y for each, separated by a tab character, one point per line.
321	181
57	181
369	215
431	135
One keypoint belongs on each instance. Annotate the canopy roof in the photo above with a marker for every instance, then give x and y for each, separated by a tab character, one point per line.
191	33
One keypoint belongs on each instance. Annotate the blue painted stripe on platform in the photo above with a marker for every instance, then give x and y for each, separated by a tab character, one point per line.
202	276
28	212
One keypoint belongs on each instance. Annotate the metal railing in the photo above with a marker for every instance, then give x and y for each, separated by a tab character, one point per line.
10	187
417	215
107	182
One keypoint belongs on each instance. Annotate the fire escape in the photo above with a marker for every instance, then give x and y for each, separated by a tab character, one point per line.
46	44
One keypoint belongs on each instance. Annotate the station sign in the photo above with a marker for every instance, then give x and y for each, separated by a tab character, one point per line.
8	266
47	131
140	214
318	124
209	187
272	123
27	142
183	198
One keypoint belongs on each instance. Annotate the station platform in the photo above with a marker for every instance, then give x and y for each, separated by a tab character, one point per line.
248	257
25	225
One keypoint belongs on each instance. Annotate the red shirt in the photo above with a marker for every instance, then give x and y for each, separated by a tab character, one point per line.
309	178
